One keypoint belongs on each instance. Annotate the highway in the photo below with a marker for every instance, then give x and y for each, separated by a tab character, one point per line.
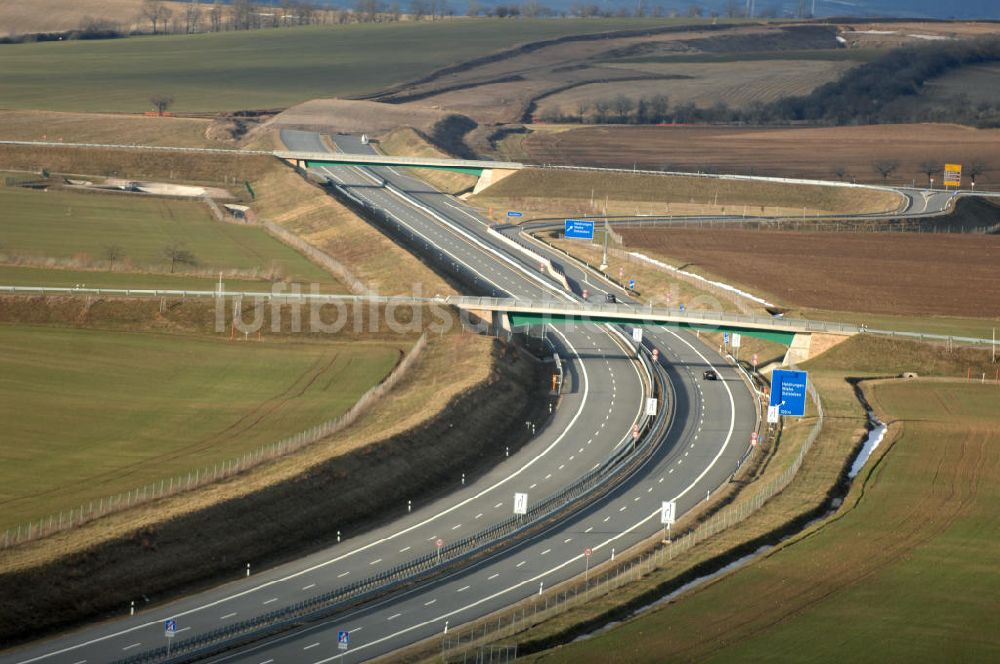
602	400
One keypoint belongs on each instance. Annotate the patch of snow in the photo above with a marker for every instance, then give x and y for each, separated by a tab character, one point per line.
717	284
871	443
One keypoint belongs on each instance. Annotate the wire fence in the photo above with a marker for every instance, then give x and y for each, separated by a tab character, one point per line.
319	257
463	643
540	515
95	509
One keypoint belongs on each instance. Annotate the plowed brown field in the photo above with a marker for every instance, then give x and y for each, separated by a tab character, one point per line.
805	152
880	273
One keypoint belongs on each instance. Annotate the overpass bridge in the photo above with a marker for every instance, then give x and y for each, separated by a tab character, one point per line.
796	333
804	338
467	166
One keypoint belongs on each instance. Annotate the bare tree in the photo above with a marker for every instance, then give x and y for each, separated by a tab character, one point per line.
623	105
157	13
977	168
161	103
192	17
215	16
176	253
885	167
601	108
241	14
696	10
421	8
930	168
840	172
531	9
473	8
582	107
658	107
112	253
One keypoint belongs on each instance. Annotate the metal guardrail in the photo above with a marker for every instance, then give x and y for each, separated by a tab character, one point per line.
616	469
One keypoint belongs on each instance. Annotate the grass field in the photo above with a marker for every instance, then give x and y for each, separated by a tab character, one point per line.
897	279
904	573
91	413
306	210
75	228
552	193
405	141
257	69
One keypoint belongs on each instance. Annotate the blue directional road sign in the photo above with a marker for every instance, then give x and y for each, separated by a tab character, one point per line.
725	338
631	284
579	229
170	627
513	213
343	639
682	307
788	392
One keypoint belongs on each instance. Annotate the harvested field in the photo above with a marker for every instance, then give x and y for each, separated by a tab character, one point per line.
800	153
916	274
901	571
493	90
892	35
736	84
117	129
352	116
553	193
230	169
975	83
25	18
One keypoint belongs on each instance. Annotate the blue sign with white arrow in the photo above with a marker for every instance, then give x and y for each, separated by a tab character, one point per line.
788	392
579	229
513	213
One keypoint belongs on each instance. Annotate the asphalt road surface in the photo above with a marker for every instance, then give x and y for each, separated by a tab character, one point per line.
602	400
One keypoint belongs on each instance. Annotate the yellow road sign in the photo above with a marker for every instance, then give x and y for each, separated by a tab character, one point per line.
952	175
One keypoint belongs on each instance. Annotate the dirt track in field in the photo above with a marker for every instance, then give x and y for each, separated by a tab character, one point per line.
805	152
886	273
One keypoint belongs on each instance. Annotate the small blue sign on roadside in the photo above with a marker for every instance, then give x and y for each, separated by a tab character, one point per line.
343	639
725	338
788	392
579	229
682	307
631	284
514	213
170	627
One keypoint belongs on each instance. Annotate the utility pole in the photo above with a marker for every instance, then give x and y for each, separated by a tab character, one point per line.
604	258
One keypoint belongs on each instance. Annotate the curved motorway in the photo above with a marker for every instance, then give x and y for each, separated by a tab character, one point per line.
603	398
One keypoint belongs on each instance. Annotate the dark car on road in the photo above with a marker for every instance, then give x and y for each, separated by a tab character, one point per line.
611	298
711	375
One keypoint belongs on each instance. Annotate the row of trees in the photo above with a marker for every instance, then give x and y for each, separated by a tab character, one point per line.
931	168
175	252
218	15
